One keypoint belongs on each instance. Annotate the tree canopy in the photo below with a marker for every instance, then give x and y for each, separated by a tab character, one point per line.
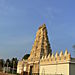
26	56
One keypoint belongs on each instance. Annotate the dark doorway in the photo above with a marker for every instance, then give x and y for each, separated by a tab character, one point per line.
31	70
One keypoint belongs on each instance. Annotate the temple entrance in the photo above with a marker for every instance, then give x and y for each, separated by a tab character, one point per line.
31	70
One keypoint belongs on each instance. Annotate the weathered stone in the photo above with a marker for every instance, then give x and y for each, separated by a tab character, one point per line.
40	48
41	44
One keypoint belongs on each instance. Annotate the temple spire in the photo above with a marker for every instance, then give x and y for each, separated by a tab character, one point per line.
41	46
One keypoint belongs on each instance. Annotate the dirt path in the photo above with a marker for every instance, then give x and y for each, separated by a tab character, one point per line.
6	74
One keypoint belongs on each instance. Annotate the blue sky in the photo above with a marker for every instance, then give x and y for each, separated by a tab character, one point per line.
20	19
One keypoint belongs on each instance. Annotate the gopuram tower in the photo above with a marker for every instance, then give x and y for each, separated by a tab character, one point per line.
41	47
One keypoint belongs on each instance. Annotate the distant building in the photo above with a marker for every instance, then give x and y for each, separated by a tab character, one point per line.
21	66
42	61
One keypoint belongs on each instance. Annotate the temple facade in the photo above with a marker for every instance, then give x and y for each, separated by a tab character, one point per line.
42	61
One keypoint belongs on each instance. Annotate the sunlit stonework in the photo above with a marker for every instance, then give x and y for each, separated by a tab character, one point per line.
41	46
43	62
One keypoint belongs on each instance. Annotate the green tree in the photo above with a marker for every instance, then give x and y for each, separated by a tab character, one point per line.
1	64
7	63
14	62
26	56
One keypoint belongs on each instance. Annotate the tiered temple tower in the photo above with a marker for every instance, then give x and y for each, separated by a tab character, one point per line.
41	47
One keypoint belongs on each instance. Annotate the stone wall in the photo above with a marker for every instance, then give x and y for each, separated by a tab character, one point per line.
54	69
60	64
57	58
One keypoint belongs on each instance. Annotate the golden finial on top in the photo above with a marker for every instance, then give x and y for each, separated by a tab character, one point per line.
42	26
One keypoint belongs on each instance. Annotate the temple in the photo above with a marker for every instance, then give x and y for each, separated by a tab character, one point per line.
41	45
42	61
